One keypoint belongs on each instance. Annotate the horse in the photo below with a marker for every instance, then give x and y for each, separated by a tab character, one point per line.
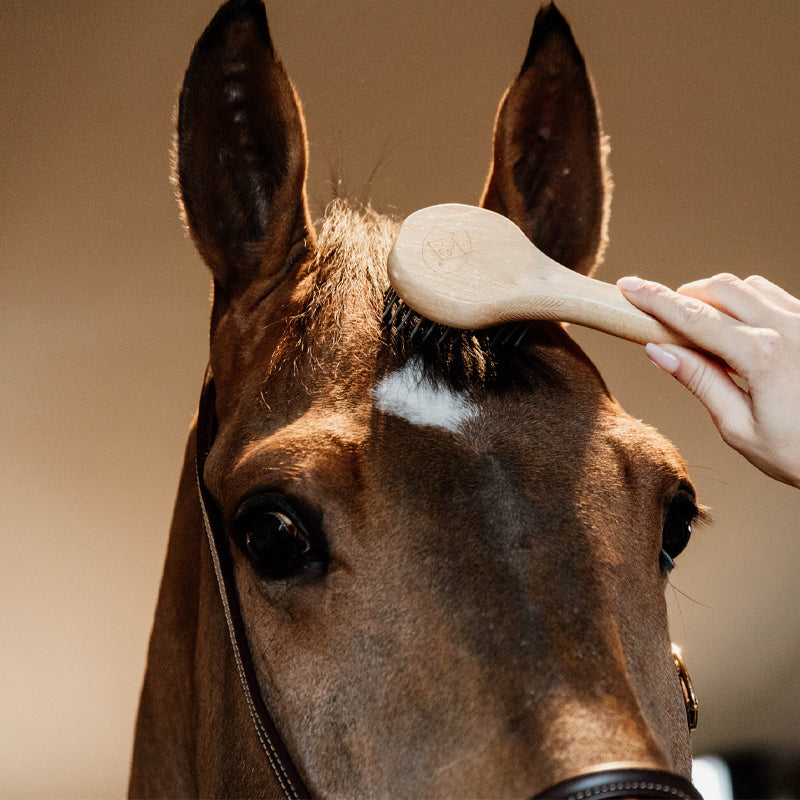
396	569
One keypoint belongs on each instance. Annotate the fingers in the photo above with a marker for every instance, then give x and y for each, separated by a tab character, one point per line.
756	424
702	324
742	300
776	295
754	326
730	407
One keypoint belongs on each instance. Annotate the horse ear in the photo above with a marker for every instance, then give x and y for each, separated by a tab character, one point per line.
241	155
549	173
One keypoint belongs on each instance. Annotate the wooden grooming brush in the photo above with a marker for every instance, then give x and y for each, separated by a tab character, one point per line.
469	268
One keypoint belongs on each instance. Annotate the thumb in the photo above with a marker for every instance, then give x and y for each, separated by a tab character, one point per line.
709	382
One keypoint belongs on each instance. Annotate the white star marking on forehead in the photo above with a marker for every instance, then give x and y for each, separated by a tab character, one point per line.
409	394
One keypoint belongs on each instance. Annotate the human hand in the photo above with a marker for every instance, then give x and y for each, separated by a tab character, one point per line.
753	326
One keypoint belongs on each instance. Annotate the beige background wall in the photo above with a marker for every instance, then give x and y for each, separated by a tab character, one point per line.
103	309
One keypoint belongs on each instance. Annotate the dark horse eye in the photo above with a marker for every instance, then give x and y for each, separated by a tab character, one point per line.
272	536
677	528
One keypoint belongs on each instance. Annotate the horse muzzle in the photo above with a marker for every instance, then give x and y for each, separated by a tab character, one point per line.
621	780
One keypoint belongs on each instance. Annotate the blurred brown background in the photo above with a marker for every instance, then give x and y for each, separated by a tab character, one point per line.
103	309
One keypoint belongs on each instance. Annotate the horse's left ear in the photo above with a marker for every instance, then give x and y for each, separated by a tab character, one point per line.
241	163
549	173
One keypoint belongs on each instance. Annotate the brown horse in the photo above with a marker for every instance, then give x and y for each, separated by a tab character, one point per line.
442	568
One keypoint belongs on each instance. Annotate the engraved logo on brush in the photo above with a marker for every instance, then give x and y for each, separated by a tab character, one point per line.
446	249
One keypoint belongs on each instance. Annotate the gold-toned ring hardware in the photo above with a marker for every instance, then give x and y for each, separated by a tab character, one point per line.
689	697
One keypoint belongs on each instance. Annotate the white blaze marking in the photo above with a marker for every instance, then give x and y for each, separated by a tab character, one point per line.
409	394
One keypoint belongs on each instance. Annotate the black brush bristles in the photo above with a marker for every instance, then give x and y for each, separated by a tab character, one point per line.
489	359
418	331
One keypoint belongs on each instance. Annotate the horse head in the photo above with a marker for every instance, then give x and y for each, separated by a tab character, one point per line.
450	559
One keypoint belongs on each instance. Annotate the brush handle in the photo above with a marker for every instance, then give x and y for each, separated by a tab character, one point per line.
468	267
572	297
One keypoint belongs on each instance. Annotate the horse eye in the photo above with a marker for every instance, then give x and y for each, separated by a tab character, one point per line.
677	528
272	536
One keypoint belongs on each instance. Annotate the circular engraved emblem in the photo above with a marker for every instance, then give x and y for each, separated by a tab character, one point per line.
446	249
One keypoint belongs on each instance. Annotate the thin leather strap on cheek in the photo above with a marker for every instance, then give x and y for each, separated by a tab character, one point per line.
281	762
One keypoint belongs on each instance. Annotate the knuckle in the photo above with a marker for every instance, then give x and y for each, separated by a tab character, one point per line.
767	350
658	290
690	312
700	381
726	279
755	280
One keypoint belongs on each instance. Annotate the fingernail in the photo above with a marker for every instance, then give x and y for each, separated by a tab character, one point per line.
630	283
662	358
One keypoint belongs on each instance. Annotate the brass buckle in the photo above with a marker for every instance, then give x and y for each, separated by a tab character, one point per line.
689	697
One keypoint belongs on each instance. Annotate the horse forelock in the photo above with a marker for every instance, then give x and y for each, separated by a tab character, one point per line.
339	323
341	297
350	272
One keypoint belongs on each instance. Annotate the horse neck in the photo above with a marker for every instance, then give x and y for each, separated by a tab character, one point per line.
193	732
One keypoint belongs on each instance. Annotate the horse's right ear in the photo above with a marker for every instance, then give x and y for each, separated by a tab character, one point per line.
241	156
549	174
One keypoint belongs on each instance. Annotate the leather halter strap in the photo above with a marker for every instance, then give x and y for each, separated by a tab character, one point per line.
611	782
281	762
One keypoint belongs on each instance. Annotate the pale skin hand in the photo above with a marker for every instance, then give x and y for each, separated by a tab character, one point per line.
753	326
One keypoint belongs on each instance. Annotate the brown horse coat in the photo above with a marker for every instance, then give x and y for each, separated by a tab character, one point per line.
479	608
